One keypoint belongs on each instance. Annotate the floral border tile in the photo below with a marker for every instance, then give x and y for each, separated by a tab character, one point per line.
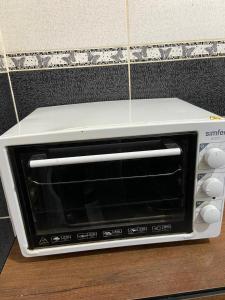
151	53
63	59
112	56
2	64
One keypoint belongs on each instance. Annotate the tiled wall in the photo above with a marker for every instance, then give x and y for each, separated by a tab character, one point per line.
72	51
7	119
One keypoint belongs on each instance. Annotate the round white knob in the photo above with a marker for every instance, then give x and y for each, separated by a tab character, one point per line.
210	214
212	187
215	158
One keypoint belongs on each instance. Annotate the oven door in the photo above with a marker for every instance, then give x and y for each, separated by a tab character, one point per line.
107	189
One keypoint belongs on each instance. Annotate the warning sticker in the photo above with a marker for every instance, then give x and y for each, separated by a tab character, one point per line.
216	118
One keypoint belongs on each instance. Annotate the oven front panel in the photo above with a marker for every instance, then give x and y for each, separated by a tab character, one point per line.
106	189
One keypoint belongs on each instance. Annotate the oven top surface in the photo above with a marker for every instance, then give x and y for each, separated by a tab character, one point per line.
106	114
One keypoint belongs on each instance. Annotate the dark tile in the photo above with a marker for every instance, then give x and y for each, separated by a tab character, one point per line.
7	113
200	81
6	240
65	86
3	206
7	120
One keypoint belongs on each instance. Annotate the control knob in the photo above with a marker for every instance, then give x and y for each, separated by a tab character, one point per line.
215	158
212	187
210	214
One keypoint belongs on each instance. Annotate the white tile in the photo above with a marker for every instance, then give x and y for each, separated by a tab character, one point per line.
162	21
1	44
33	25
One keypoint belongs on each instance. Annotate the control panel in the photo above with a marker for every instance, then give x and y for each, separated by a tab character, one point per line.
210	183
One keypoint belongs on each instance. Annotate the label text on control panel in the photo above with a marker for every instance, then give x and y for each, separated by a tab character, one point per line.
215	132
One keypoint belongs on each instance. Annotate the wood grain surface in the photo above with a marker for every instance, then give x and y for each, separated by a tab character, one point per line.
218	297
123	273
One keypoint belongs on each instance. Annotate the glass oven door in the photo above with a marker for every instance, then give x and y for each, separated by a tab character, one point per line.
120	188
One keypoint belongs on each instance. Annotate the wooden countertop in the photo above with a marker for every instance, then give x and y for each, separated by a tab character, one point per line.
123	273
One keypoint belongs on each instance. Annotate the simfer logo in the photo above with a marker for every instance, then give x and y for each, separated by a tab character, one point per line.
215	132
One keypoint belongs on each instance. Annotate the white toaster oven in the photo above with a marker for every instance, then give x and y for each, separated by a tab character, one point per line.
112	174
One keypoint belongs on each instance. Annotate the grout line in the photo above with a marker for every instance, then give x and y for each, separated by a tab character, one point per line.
9	79
99	48
12	94
176	59
46	52
128	46
129	86
178	42
6	217
128	58
129	77
67	67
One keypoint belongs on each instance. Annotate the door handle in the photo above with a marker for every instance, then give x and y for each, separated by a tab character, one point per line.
37	163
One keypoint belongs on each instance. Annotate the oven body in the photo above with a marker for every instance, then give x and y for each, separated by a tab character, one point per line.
112	187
